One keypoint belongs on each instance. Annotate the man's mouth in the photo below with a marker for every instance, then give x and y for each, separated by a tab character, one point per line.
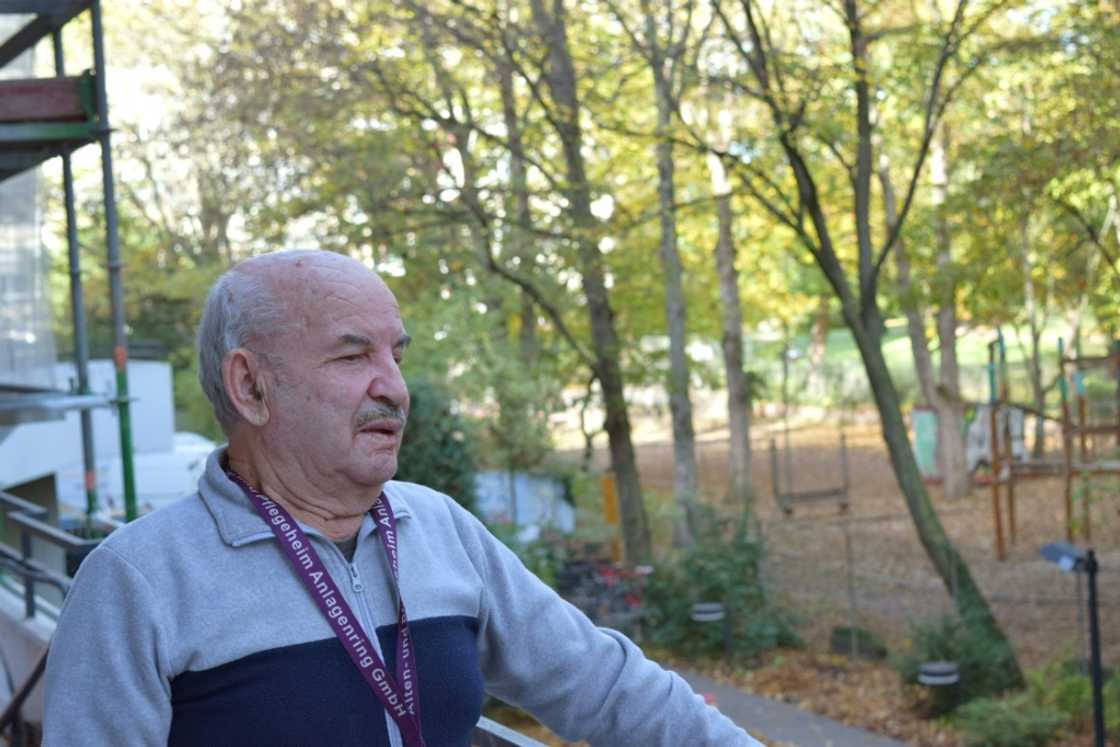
383	420
383	427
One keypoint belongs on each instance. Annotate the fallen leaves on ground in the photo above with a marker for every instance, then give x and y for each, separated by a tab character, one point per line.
856	692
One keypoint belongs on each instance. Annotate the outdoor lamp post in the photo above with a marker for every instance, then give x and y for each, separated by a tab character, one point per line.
1069	558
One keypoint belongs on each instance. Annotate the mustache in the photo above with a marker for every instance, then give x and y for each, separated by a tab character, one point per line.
382	411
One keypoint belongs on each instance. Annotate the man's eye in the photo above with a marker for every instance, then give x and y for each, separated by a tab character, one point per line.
352	358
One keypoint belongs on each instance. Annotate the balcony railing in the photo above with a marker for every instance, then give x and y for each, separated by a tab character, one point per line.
492	734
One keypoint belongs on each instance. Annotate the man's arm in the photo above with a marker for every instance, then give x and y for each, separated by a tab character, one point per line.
542	654
103	684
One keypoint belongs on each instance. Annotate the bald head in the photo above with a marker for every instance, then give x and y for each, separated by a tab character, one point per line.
258	300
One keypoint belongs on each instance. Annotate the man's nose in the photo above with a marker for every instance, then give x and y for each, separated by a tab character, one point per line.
388	384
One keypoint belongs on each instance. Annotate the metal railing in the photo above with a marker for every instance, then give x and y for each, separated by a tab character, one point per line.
489	733
30	520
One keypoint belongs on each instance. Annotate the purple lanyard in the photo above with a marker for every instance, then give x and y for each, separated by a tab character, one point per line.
398	696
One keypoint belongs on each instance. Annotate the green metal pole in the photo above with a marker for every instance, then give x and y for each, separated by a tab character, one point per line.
1116	374
991	375
1002	357
116	289
1062	372
77	310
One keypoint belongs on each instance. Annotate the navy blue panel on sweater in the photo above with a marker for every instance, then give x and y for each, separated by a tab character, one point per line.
312	693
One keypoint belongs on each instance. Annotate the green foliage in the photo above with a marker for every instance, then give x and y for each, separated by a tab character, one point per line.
1069	691
985	664
1111	696
1015	721
193	411
714	570
756	386
436	450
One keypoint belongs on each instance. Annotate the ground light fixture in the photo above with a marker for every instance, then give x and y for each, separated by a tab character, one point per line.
713	612
1073	559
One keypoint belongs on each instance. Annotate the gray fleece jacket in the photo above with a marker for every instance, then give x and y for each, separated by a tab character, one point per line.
188	627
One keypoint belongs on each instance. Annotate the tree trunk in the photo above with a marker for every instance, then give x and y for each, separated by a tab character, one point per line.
561	80
740	491
1034	327
952	459
952	569
680	403
943	395
866	324
911	308
815	382
860	308
519	231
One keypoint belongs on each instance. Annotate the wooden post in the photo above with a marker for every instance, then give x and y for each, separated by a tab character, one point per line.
993	432
610	514
1067	438
776	478
1083	444
1008	443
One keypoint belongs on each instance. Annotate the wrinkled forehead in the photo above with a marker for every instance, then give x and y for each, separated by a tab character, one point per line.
328	294
315	296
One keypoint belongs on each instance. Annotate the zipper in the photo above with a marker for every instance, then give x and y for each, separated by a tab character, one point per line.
365	619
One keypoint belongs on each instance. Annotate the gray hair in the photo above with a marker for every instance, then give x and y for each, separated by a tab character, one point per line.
241	307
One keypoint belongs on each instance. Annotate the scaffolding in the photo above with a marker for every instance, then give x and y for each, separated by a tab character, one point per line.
42	119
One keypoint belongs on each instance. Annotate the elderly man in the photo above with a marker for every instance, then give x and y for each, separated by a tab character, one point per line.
301	597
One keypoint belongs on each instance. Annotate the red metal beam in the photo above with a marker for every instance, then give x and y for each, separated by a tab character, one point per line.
41	100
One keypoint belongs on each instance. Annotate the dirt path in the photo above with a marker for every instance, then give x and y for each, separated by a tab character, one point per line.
892	579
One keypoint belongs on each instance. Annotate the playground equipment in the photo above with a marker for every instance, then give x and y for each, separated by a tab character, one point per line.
786	495
1086	416
1097	422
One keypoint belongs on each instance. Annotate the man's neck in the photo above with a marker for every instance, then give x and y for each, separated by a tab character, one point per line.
337	519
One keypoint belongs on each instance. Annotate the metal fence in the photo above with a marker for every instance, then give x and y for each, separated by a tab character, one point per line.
842	572
867	566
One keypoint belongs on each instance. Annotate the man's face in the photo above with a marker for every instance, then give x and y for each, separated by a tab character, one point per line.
340	400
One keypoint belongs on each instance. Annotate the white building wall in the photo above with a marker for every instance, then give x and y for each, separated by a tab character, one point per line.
34	450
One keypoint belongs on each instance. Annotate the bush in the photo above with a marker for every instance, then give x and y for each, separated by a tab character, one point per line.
1062	687
1111	696
714	570
1070	692
436	449
1015	721
985	664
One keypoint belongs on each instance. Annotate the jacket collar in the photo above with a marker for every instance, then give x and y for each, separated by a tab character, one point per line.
238	522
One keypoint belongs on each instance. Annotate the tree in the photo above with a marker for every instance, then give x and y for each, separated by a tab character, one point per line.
942	393
436	152
560	78
731	344
662	43
436	448
793	91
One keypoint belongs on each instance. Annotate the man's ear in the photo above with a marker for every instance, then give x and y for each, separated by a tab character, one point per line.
244	378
